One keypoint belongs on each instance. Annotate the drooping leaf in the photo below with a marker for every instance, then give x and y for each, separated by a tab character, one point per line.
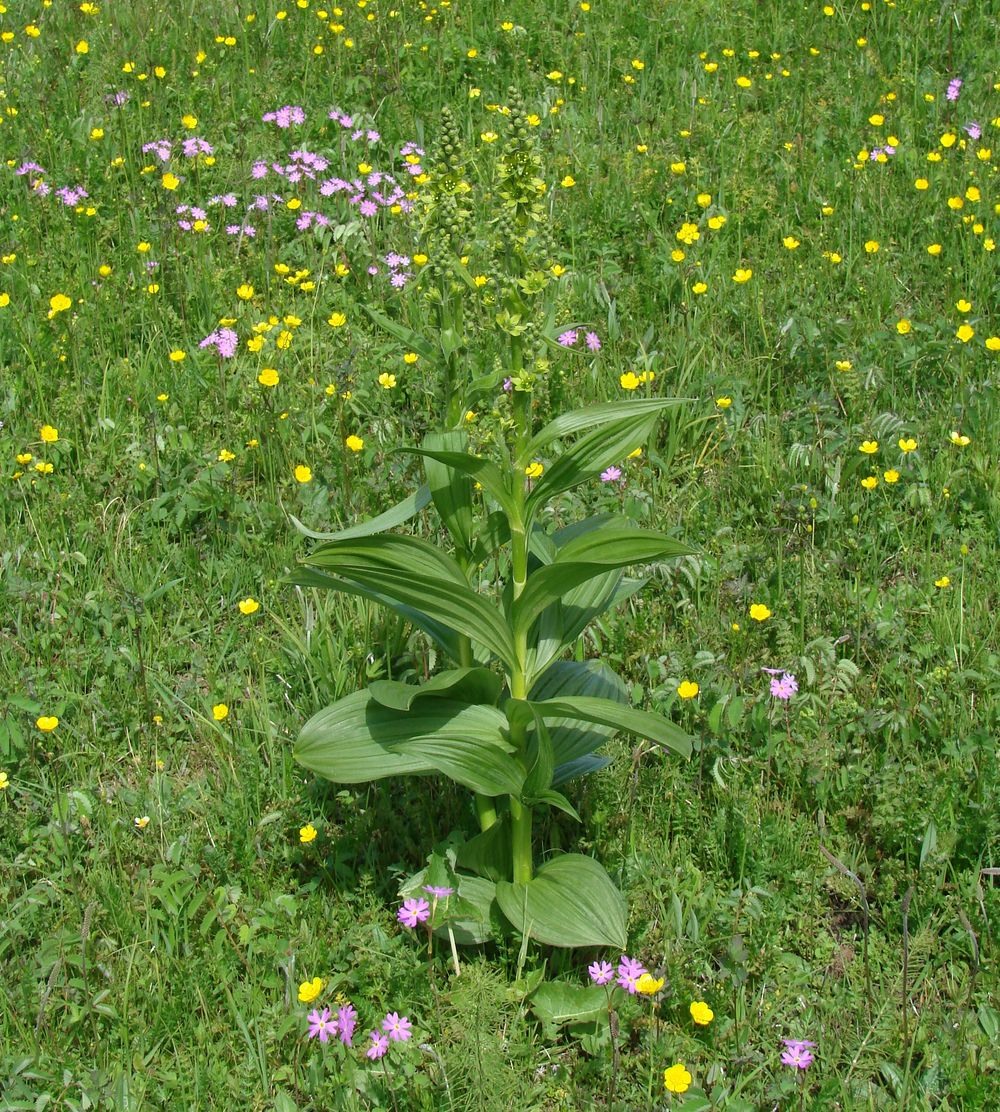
573	740
356	739
570	902
414	573
560	1002
606	712
451	490
462	685
589	456
621	718
493	534
481	765
587	557
392	517
576	420
483	471
446	638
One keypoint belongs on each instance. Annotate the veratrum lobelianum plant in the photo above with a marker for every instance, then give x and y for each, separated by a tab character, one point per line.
511	720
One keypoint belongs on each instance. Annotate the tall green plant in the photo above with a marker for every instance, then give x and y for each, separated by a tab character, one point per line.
511	720
504	600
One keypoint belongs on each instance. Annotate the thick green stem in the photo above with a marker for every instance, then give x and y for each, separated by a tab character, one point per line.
486	807
519	813
521	832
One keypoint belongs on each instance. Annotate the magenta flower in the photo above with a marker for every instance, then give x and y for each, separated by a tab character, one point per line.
601	972
612	475
593	341
322	1025
224	340
784	687
397	1027
629	972
439	893
973	130
568	338
797	1053
954	88
380	1044
414	911
347	1019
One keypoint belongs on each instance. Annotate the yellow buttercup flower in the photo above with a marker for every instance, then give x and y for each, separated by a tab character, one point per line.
629	381
249	606
869	447
688	689
759	612
534	470
47	723
742	275
303	474
49	434
220	711
907	444
701	1013
649	985
268	377
309	990
307	833
676	1079
355	443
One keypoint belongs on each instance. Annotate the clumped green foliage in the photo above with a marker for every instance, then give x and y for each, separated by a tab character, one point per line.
786	216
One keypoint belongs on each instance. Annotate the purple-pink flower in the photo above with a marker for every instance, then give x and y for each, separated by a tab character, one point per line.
347	1019
797	1053
568	338
320	1024
601	972
611	475
593	341
629	972
439	893
396	1026
414	911
785	686
224	340
380	1044
973	130
954	88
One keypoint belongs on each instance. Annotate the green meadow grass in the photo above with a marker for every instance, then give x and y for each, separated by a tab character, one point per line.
823	869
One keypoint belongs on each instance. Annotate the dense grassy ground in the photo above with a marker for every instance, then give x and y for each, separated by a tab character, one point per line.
817	869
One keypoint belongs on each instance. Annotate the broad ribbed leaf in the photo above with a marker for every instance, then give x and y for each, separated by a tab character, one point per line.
478	764
559	1002
446	638
414	573
488	854
573	740
586	557
356	740
590	455
451	490
484	471
392	517
461	685
540	761
606	712
579	419
571	902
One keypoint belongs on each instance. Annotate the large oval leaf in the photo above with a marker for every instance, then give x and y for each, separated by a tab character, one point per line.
356	739
462	685
571	902
571	738
414	573
576	420
606	712
586	557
